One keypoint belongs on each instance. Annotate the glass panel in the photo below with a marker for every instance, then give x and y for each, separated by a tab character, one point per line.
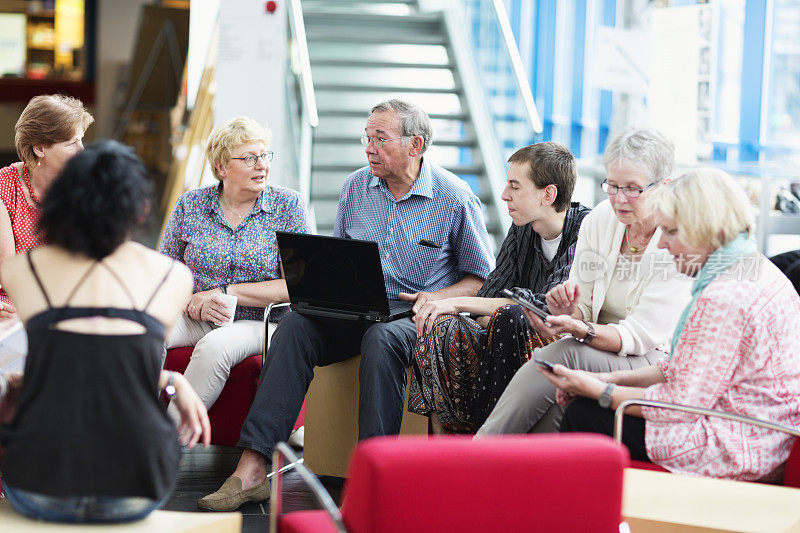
728	72
782	118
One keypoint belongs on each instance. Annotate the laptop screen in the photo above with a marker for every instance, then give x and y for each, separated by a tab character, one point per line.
342	274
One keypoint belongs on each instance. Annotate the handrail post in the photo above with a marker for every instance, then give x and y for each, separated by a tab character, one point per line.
516	66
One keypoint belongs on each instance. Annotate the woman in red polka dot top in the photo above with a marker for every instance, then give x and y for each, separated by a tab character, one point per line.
48	133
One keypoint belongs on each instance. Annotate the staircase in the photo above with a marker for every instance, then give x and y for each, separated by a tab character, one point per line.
363	53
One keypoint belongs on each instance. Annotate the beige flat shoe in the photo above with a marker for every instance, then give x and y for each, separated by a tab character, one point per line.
230	495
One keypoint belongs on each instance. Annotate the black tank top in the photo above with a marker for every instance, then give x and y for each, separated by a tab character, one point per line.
89	421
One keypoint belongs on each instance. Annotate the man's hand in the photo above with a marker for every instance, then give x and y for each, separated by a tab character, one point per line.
418	297
430	311
563	298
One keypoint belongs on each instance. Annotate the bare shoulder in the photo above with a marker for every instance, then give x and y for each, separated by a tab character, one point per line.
14	268
153	265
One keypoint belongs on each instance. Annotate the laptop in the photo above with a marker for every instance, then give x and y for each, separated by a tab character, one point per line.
337	278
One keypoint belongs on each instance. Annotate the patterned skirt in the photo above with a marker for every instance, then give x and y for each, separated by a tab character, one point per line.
460	370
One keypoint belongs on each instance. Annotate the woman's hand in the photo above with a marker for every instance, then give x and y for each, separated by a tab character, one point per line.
216	311
7	311
200	306
563	298
555	325
194	425
571	383
8	403
430	311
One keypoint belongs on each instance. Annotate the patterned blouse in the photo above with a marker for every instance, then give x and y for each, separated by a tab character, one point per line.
199	235
739	353
23	216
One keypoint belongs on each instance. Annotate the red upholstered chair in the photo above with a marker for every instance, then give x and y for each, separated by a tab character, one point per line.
791	476
229	411
534	482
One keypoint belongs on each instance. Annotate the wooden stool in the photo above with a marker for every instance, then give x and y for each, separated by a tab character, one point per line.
156	522
331	418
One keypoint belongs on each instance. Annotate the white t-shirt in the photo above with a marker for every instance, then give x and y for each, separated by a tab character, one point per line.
549	248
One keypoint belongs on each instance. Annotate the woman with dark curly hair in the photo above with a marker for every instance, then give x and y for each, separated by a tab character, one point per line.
89	440
48	133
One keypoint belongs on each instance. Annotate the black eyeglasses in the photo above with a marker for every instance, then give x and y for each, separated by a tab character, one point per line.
250	160
630	192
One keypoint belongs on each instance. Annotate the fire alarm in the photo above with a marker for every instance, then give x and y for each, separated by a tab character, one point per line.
271	6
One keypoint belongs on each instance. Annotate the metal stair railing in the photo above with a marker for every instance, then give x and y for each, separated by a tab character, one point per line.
308	119
476	103
502	73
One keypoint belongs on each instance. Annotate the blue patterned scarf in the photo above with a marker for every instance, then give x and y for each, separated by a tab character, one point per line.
718	262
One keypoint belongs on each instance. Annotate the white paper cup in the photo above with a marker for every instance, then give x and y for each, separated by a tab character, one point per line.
229	302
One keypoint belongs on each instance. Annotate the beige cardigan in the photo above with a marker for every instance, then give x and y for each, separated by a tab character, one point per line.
659	293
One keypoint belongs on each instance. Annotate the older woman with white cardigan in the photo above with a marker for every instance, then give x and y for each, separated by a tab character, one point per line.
623	297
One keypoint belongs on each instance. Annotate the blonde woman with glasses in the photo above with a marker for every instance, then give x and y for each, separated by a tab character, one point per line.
225	234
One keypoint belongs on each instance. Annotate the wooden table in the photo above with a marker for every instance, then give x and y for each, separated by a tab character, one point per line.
662	502
156	522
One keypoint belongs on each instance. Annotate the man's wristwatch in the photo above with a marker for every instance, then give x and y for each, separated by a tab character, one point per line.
589	334
605	398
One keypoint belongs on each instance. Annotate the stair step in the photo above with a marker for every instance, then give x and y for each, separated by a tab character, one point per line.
438	141
370	63
363	114
432	20
380	37
374	28
339	87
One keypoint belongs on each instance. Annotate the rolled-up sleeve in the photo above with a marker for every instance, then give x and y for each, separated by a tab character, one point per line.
172	244
470	240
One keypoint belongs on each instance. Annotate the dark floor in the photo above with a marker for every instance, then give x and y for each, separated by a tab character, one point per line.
204	470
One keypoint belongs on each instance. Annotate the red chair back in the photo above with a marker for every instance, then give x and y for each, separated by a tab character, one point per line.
543	482
791	476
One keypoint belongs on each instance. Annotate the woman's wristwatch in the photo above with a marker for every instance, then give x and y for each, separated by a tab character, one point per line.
170	389
589	333
224	289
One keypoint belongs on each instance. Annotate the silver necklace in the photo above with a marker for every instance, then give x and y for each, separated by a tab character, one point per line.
228	208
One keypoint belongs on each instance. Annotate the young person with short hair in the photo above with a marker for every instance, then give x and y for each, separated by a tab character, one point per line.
462	365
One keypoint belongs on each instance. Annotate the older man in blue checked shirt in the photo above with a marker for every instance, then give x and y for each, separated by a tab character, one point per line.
397	201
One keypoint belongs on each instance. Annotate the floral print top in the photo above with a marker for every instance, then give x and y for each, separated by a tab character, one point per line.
199	235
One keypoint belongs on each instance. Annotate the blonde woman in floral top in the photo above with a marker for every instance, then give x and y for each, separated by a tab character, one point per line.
735	348
225	234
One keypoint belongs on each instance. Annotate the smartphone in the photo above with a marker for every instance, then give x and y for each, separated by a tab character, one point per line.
524	302
547	365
